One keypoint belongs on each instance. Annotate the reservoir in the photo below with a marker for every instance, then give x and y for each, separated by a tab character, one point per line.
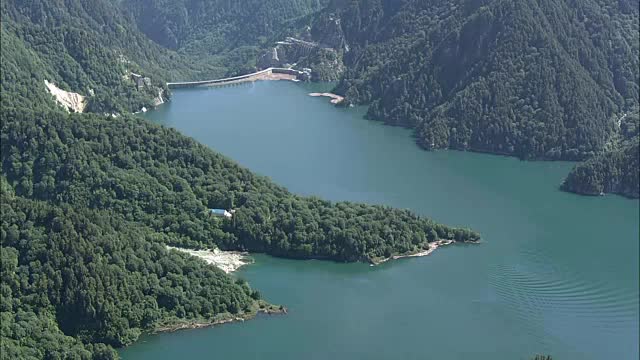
557	273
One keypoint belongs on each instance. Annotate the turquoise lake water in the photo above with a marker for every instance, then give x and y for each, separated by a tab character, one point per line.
556	273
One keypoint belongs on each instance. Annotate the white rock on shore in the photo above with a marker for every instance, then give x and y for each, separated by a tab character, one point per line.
432	247
335	99
159	100
227	261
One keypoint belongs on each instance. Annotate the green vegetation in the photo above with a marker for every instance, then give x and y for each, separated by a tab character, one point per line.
229	33
89	201
540	79
75	280
614	170
92	46
84	47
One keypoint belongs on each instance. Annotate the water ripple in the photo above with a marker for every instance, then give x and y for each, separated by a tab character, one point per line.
532	293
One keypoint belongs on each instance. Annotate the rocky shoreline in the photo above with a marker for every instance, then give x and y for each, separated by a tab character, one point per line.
335	99
265	308
432	247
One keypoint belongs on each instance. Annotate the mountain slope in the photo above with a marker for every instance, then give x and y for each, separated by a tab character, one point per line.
615	170
537	79
91	47
220	25
83	47
76	280
230	32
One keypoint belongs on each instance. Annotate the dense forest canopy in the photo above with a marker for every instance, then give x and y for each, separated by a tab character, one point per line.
92	200
155	176
84	47
615	170
536	79
76	282
91	47
215	27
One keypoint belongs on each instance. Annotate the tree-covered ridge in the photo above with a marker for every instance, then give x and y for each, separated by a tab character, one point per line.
535	79
166	181
615	170
229	34
83	47
75	280
91	47
216	27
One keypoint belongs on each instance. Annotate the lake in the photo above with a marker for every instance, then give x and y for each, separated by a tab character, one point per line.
556	273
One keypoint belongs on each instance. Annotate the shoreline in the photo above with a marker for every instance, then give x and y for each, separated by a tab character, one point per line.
433	246
335	99
264	308
227	261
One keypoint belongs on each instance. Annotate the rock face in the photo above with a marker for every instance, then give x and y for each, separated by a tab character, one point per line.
328	32
69	100
325	64
319	48
159	100
269	59
286	52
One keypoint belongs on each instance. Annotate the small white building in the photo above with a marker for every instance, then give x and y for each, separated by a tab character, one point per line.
221	213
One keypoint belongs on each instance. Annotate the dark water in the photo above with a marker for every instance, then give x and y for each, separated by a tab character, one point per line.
557	273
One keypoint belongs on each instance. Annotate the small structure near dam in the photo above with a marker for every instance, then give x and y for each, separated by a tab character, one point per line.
221	213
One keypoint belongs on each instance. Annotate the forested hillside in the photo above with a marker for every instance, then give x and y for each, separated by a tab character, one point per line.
535	79
615	170
544	79
84	47
91	47
90	201
231	32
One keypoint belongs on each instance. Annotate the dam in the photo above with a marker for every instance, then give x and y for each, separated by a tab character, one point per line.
271	73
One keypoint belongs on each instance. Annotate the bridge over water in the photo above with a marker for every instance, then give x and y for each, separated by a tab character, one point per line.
266	74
